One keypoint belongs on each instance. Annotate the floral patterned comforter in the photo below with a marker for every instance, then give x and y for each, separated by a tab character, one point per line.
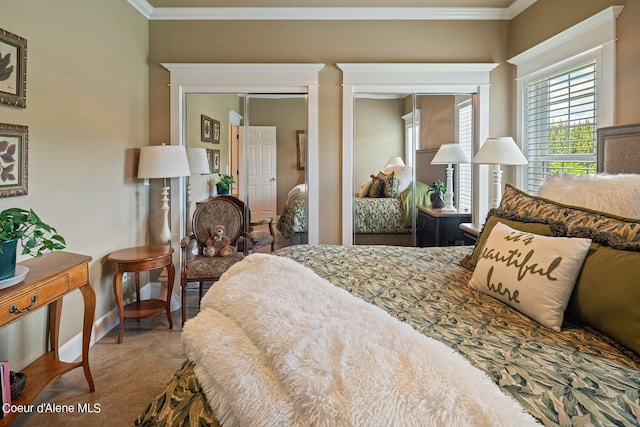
573	377
371	215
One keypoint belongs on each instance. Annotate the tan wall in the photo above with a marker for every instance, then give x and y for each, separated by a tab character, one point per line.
548	17
87	112
379	135
326	42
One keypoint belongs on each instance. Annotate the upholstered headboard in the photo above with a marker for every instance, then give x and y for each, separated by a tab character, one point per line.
619	149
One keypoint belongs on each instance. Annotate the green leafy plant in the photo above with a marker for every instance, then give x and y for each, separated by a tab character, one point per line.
225	181
35	236
437	187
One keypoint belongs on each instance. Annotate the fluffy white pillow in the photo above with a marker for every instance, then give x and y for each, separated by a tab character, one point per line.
404	175
532	273
614	194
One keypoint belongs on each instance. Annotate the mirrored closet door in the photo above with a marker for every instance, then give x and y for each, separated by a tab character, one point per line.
252	138
396	137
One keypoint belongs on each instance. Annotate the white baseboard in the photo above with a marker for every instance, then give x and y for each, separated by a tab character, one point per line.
72	349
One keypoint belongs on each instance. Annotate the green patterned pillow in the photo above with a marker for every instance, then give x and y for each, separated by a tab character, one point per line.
391	184
607	294
601	227
533	274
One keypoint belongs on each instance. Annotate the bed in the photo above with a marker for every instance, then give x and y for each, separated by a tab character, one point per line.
375	219
584	370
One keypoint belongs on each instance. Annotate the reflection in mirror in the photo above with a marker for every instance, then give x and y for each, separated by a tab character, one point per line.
207	126
253	138
382	170
384	129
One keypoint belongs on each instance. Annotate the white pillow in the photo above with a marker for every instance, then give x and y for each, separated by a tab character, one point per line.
404	175
300	188
614	194
532	273
365	187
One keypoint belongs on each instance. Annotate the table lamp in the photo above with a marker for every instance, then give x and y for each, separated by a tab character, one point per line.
499	151
449	154
163	161
394	161
198	164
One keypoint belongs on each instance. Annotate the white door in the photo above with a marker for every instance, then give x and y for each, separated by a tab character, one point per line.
262	184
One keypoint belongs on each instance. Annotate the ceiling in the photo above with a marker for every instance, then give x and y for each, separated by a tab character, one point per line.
332	3
330	9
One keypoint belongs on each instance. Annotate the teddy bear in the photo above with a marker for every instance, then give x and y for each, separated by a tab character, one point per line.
218	244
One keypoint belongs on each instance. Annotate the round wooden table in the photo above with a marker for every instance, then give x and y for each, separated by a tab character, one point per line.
137	259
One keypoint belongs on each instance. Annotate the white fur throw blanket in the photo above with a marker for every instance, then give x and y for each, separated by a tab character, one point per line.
276	345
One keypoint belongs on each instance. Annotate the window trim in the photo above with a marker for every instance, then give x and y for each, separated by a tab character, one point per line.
590	40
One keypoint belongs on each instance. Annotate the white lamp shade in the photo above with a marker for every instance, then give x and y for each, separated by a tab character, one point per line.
449	153
500	151
198	162
394	161
163	161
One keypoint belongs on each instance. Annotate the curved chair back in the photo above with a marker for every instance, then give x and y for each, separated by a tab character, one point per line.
225	210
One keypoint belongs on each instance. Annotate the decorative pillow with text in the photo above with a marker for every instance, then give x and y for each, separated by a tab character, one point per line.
532	273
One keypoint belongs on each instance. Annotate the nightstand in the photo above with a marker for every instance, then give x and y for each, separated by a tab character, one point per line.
471	232
436	228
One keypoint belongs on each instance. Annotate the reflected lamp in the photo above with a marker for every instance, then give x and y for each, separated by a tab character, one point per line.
449	154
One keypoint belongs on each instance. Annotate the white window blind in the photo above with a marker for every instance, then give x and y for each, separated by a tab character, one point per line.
560	118
410	144
465	140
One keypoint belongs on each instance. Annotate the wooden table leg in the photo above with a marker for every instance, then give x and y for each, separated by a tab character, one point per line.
171	275
89	297
55	310
117	291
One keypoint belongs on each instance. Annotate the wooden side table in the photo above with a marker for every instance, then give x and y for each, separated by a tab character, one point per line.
137	259
50	277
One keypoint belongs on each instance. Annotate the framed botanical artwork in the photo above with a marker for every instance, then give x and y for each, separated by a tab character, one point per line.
13	69
14	140
215	132
215	161
205	128
301	149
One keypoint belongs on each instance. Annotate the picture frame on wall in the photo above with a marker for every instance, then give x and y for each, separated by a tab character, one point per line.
301	149
13	69
215	161
14	140
215	132
206	123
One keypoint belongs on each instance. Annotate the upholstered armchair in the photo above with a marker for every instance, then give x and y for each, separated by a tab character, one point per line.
196	266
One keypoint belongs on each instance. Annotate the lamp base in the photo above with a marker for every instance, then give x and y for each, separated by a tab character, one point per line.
449	210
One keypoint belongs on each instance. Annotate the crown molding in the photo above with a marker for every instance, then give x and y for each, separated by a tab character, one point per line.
329	13
577	32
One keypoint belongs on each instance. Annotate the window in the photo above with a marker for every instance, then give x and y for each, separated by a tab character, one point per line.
561	124
464	132
410	144
566	89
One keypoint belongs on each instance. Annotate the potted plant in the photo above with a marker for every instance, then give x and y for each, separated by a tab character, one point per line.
436	194
224	184
35	236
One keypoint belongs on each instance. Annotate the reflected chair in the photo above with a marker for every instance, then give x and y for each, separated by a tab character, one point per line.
262	238
196	267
